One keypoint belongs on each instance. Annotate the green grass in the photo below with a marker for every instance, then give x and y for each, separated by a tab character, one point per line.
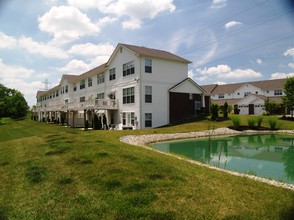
52	172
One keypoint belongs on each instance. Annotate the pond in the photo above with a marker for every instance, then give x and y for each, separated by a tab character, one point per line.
266	155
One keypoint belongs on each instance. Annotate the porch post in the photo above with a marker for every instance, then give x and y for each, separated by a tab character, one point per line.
85	120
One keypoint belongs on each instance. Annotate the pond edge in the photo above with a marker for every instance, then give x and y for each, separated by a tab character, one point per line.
146	139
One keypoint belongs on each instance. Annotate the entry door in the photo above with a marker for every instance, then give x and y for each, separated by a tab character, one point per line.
128	119
251	109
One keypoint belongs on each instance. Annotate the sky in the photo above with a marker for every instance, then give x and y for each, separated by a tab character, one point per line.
227	41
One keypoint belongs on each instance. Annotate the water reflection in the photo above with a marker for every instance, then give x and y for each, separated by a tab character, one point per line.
269	156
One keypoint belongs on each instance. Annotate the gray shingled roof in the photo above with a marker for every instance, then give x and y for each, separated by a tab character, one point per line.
229	88
149	52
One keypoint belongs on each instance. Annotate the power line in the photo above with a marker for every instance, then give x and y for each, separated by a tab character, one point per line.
226	36
215	24
251	49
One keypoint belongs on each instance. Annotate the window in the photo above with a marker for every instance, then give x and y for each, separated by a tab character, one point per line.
82	99
75	87
89	82
128	68
129	95
100	96
148	66
278	92
82	84
66	89
66	101
197	105
100	78
148	94
128	118
221	96
148	120
246	93
190	96
112	74
57	93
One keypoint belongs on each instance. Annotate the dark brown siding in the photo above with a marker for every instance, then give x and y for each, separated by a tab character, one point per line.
181	107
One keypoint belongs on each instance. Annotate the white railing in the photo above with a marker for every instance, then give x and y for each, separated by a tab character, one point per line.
102	104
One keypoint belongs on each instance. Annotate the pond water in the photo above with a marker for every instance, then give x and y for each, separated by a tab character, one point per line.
266	155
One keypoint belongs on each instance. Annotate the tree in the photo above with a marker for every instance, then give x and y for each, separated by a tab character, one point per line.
214	111
288	99
12	103
19	106
225	110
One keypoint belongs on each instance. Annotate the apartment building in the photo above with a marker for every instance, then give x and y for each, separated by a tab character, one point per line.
248	97
136	88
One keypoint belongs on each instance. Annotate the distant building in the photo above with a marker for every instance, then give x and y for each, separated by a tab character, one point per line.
137	88
248	97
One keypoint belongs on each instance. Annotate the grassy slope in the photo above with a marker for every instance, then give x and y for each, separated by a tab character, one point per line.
53	172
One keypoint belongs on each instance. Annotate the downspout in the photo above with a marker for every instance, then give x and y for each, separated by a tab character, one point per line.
140	95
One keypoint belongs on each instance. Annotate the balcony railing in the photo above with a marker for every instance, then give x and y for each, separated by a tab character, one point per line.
102	104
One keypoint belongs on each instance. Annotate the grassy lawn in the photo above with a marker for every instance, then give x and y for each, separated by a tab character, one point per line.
53	172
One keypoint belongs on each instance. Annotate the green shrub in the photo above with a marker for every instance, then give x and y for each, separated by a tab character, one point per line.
225	110
251	122
272	123
236	121
259	121
214	111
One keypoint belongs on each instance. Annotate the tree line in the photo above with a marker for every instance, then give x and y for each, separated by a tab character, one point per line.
12	103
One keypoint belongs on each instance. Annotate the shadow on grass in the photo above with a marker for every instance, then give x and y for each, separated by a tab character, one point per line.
288	214
189	120
36	174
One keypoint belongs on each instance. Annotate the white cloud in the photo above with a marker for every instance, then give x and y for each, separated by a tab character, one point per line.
259	61
28	89
289	52
92	50
105	21
83	5
281	75
209	54
224	71
75	67
218	3
34	47
42	75
130	11
220	83
12	72
232	24
97	61
132	24
7	41
191	74
67	24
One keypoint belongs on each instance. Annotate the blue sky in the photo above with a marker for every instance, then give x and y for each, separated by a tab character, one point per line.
227	40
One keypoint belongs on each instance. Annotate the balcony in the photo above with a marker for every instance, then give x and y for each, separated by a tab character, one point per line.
98	104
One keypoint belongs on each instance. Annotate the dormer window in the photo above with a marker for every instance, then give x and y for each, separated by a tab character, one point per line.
221	96
246	93
278	92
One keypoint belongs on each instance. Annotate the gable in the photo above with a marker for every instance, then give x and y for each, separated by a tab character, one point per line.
187	86
247	87
251	99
